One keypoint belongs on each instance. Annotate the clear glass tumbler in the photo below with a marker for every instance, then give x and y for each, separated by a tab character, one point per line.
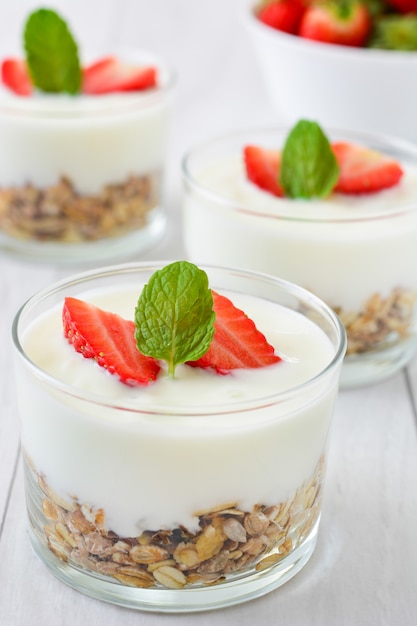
357	253
197	492
81	177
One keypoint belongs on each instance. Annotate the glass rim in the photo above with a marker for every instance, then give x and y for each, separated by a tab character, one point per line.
237	206
165	409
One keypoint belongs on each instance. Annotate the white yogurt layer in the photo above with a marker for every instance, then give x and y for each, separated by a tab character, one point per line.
344	249
92	140
145	455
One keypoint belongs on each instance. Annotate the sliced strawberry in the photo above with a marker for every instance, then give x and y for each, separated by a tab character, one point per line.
282	15
342	23
110	75
237	343
363	170
262	168
15	75
109	339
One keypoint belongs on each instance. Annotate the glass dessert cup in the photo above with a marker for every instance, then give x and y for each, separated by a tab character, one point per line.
81	177
360	256
178	505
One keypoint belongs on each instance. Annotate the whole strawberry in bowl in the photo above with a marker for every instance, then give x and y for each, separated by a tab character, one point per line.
84	138
349	64
332	211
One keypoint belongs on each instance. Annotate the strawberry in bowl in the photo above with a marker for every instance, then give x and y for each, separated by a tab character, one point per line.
338	23
334	213
355	23
85	140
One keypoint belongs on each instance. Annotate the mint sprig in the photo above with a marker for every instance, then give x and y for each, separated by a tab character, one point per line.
174	315
51	53
308	166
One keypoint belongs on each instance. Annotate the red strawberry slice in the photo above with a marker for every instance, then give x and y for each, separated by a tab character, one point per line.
110	75
15	75
237	343
284	15
336	22
109	339
363	170
262	168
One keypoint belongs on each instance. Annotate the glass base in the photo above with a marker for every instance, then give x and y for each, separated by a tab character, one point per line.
235	591
108	249
271	570
369	368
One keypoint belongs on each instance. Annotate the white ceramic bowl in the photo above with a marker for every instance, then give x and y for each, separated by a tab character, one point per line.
339	86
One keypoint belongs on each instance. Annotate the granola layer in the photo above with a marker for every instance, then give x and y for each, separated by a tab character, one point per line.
60	214
380	321
229	540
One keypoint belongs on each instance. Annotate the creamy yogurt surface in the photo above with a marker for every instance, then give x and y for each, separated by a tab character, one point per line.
227	179
149	469
345	248
294	337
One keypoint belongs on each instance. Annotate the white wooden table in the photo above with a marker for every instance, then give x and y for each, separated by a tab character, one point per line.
364	570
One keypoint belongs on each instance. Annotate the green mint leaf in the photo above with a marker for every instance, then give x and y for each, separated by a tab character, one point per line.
308	167
51	53
174	315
